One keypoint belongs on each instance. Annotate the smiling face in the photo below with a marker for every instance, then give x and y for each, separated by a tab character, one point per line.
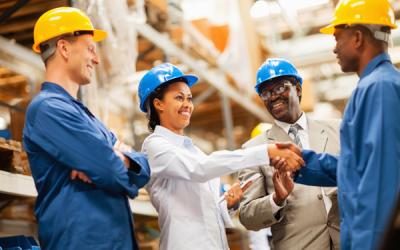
282	99
82	58
175	108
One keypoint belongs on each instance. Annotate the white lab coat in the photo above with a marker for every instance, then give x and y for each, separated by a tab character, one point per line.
184	189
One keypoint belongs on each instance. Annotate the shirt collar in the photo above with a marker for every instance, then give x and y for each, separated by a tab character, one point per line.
374	63
179	140
302	122
55	88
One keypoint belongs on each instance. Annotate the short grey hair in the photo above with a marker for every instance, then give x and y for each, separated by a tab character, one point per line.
48	48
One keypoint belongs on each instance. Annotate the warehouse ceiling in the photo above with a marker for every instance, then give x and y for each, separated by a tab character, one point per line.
17	18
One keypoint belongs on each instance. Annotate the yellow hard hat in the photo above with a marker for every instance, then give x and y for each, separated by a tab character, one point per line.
377	12
259	129
60	21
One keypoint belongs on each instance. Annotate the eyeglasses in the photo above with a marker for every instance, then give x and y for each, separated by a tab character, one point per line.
279	89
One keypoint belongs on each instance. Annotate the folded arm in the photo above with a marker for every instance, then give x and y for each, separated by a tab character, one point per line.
61	131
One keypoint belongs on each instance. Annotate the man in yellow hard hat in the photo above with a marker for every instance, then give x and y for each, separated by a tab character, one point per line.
367	170
82	177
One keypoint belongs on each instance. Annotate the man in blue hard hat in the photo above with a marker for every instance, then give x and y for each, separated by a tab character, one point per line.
300	217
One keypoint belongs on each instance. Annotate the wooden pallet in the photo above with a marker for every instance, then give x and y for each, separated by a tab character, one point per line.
13	158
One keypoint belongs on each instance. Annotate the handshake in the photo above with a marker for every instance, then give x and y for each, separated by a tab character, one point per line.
285	157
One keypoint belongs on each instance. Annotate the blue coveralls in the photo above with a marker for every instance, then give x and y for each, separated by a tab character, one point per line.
367	171
60	135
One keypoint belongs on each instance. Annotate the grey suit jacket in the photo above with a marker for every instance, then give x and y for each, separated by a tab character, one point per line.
303	223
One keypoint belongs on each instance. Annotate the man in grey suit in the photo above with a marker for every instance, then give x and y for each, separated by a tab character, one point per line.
300	217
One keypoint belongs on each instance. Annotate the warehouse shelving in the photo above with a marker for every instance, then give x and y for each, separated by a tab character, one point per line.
142	207
23	185
17	184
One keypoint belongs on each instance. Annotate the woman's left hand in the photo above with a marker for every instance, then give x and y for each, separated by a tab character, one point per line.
233	195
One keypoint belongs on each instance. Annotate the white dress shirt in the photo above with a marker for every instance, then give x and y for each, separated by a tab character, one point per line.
305	142
184	189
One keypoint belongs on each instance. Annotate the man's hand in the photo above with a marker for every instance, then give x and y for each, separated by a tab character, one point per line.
283	184
122	147
289	145
233	195
119	148
124	159
288	155
79	175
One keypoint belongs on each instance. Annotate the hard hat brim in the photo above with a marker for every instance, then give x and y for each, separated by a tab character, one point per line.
190	79
329	29
35	48
98	35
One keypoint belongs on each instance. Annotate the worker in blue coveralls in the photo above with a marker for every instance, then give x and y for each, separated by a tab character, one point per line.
82	175
367	171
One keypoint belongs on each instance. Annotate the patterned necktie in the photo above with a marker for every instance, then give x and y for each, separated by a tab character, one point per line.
293	133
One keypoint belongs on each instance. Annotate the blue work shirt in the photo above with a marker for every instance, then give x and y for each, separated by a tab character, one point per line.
367	170
60	135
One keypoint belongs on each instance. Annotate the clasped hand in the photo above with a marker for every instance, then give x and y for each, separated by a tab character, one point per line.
285	156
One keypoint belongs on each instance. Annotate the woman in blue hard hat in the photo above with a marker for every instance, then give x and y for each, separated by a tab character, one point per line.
184	186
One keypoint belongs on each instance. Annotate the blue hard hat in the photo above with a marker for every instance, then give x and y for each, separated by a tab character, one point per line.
159	75
274	68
